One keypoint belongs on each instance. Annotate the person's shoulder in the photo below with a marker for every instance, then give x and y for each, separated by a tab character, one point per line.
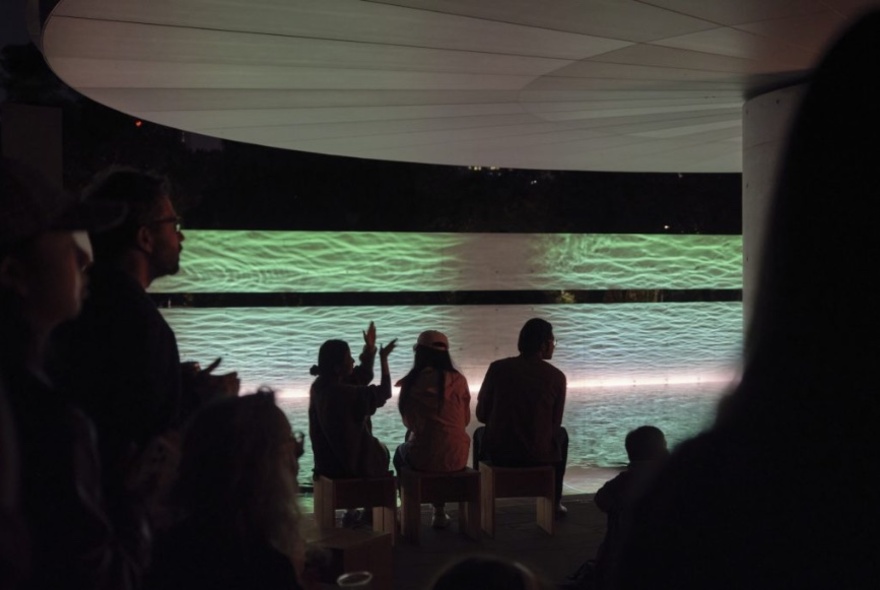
505	362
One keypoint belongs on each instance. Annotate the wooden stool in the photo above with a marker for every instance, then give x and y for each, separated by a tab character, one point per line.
378	492
423	487
518	482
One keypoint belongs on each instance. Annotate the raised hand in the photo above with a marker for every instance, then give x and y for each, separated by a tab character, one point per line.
370	337
384	351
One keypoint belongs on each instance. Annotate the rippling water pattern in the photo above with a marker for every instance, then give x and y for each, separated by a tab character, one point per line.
597	420
627	363
315	262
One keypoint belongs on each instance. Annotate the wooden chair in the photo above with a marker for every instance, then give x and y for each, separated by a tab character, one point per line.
518	482
423	487
378	492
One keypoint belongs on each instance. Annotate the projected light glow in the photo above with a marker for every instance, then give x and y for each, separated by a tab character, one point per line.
659	347
314	262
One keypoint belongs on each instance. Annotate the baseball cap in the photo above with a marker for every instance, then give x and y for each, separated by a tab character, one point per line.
29	205
433	339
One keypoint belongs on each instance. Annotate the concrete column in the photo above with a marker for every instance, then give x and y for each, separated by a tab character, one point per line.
766	119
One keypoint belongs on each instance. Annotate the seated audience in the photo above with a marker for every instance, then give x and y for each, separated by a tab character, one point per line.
646	450
521	403
435	406
781	492
340	405
238	519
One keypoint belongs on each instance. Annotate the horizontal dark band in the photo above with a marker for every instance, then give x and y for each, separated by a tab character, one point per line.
395	298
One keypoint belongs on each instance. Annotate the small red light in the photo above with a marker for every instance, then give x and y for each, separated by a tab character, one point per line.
138	123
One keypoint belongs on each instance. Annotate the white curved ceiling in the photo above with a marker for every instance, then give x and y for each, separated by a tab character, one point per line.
624	85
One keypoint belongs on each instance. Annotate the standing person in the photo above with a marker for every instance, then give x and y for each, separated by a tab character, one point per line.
119	359
521	403
340	406
435	404
44	250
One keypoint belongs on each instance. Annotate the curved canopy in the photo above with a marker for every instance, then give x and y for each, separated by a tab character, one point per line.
620	85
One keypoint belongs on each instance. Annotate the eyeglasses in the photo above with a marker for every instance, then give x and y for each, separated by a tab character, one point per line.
176	220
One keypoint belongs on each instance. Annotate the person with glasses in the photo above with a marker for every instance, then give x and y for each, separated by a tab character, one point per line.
521	403
119	359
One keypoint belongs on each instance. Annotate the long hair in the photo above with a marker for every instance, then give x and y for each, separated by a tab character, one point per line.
426	357
236	474
330	357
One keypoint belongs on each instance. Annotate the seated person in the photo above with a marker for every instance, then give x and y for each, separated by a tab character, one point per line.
238	518
521	403
646	449
340	406
435	406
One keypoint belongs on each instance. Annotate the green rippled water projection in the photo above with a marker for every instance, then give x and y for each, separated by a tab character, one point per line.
599	345
627	364
317	262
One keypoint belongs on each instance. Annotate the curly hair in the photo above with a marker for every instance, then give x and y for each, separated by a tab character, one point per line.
238	472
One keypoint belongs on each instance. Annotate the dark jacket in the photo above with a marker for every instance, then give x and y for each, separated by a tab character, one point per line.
73	545
521	403
120	363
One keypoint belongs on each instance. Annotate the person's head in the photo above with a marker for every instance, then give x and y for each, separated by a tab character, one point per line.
486	573
238	470
44	248
151	228
334	360
646	443
432	350
536	338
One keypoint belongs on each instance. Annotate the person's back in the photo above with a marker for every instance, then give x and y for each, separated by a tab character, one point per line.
438	439
521	403
434	405
339	427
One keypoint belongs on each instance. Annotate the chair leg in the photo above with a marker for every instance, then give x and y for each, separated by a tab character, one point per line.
487	499
385	521
324	510
546	514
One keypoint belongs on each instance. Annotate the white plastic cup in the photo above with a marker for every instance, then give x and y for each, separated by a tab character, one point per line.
361	580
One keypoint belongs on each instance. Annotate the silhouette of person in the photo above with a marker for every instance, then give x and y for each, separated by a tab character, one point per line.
236	493
781	492
435	405
646	449
44	251
521	402
339	410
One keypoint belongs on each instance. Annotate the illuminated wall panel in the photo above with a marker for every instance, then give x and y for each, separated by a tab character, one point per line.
261	261
627	363
598	344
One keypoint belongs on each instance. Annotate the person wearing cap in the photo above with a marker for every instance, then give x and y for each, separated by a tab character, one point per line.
521	402
44	251
435	406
